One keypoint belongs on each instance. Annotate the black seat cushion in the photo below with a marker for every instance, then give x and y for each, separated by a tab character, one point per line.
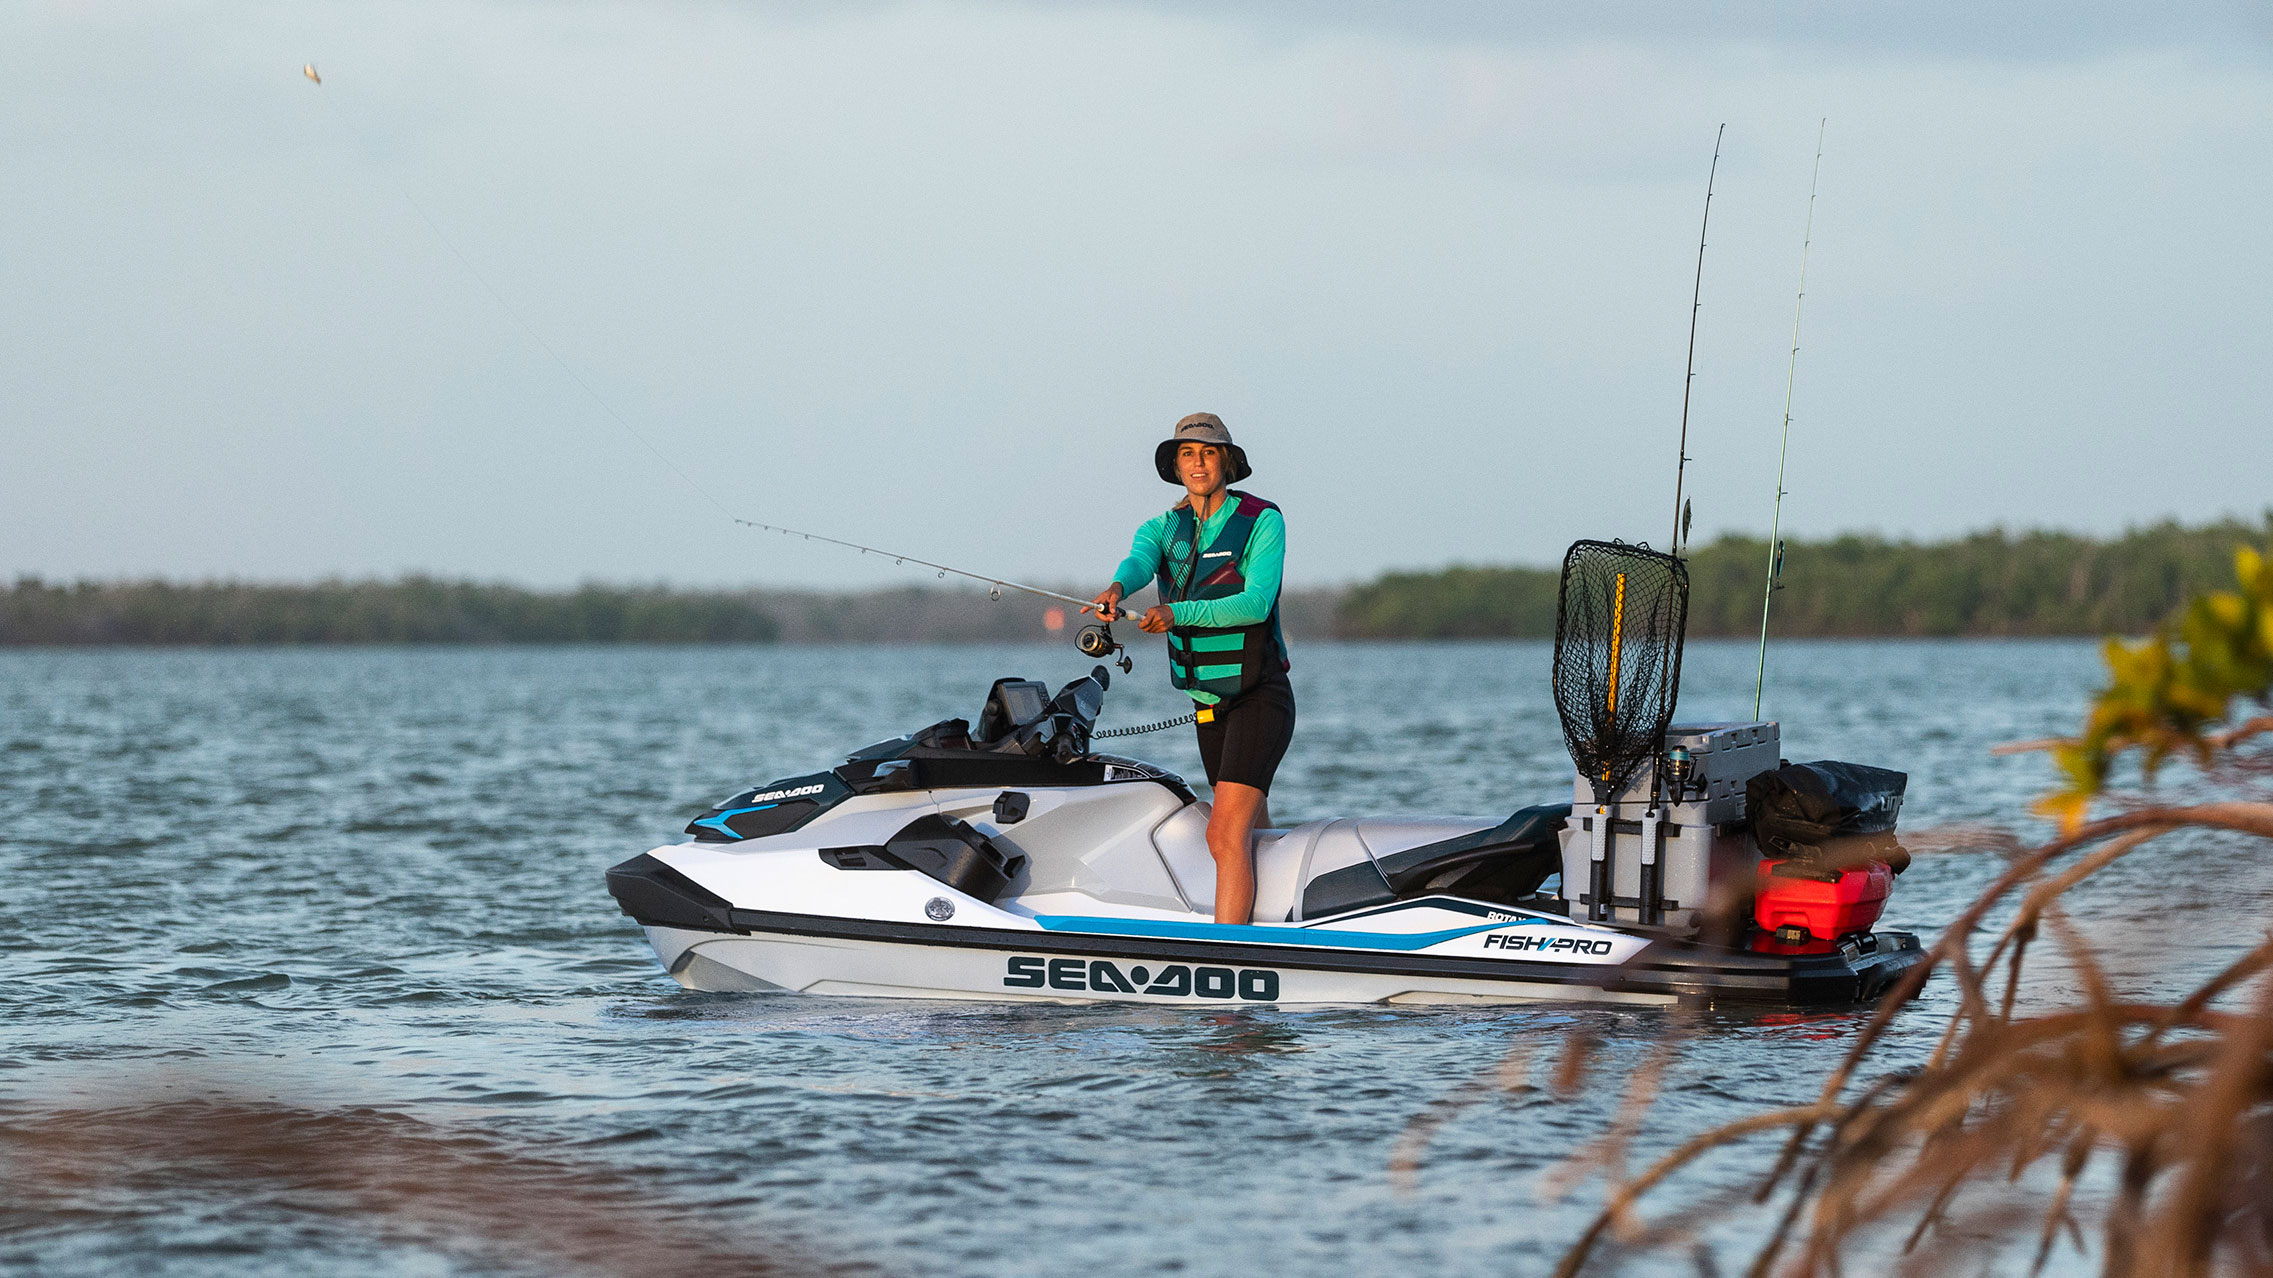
1508	861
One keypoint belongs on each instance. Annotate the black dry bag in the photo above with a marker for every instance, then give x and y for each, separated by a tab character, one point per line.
1828	815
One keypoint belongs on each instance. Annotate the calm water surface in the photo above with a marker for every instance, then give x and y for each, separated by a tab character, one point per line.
308	964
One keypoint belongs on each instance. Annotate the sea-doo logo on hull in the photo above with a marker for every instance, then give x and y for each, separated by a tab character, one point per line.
1545	944
800	792
1096	976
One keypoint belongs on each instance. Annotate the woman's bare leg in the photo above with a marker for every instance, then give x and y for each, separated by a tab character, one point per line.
1231	829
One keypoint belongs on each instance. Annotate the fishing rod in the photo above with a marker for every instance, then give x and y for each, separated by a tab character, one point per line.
1791	374
996	585
1696	303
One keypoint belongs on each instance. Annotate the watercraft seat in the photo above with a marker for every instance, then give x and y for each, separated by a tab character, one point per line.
1343	868
1374	862
1340	864
1505	863
1182	841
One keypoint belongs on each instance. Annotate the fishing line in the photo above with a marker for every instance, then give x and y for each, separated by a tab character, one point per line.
999	584
1696	303
1791	374
996	585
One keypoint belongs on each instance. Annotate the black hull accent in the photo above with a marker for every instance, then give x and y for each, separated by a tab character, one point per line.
655	895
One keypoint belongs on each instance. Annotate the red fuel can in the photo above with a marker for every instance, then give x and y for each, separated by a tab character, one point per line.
1793	910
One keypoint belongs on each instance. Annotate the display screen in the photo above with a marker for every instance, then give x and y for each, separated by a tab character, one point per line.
1023	702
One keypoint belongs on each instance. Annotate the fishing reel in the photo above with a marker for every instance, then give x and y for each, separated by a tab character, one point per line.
1680	765
1096	641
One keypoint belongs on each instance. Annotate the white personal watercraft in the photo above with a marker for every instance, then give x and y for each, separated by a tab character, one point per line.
1009	860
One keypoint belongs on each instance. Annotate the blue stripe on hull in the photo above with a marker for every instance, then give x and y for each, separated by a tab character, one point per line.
1266	935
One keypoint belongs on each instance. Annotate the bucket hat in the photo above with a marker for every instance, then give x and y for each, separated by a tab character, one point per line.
1200	428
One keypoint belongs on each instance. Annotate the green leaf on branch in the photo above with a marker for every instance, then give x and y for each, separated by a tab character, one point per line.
2168	693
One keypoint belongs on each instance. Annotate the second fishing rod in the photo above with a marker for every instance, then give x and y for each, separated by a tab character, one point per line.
1775	553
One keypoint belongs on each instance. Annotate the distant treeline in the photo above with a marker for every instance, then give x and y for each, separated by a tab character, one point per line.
1991	583
424	610
413	610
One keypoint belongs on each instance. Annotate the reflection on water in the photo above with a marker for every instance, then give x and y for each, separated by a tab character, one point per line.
231	1179
1243	1035
356	896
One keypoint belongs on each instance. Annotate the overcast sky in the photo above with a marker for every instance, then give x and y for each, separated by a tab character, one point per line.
939	275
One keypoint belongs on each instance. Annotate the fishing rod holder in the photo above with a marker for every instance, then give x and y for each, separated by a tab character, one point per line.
1650	853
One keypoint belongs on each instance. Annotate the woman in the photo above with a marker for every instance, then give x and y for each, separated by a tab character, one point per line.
1217	557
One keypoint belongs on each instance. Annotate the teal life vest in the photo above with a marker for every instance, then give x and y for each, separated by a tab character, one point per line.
1220	660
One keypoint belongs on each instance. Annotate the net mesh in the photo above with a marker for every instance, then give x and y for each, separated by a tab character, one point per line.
1619	621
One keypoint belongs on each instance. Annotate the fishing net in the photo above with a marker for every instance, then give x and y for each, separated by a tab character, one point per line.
1619	621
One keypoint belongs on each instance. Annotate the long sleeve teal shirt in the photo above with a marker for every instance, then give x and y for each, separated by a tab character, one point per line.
1261	566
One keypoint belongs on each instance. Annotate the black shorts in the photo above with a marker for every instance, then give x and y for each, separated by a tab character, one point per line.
1250	734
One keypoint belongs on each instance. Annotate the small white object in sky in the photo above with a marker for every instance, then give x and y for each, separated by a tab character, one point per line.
309	70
